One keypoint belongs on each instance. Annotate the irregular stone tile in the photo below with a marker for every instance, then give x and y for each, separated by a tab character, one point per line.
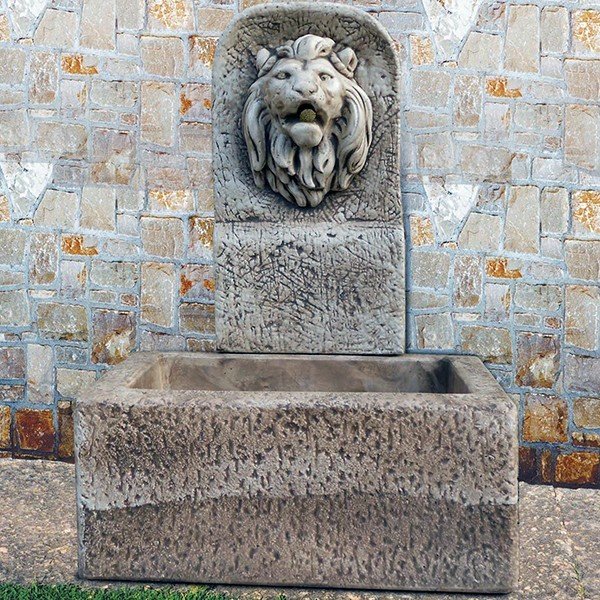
555	29
14	129
545	298
43	73
582	373
162	56
159	285
583	78
201	233
171	201
196	102
34	430
583	259
589	440
12	393
57	28
120	275
163	342
554	210
482	52
14	309
491	344
113	336
97	208
162	236
62	322
546	419
421	231
582	316
202	55
450	22
481	232
195	317
586	412
62	140
421	50
73	280
5	422
429	269
467	281
537	117
79	245
486	163
24	13
78	64
467	100
197	282
43	258
66	437
98	22
12	363
522	41
522	224
40	374
578	468
582	136
538	360
12	66
450	203
12	246
4	209
195	137
586	31
435	150
214	20
170	14
4	29
57	209
498	119
586	213
430	88
434	332
130	14
113	156
499	87
497	302
158	113
114	94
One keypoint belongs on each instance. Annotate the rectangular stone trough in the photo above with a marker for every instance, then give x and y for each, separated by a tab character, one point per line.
396	473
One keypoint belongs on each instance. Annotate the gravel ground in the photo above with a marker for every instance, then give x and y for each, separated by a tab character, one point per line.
560	539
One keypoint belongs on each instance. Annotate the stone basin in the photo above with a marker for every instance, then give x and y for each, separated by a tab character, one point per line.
330	471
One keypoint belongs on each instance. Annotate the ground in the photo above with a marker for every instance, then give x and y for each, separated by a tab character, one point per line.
560	529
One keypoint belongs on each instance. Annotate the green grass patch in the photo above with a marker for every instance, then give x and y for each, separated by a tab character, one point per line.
73	592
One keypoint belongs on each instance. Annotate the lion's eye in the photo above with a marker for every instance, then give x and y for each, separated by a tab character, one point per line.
325	76
283	75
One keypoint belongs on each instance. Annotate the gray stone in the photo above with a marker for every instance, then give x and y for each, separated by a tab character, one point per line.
336	451
293	279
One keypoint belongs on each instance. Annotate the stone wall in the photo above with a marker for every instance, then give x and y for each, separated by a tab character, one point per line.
106	201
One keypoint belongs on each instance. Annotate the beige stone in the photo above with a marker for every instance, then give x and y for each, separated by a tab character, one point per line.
202	54
421	231
114	156
98	25
582	316
545	117
12	246
497	302
98	206
14	309
538	360
162	56
57	28
545	419
162	236
159	286
179	201
491	344
435	332
583	259
467	100
430	88
43	72
435	150
201	233
498	119
70	382
158	113
586	31
57	209
114	94
73	279
554	210
12	66
40	374
43	258
421	50
586	213
130	14
14	128
62	322
582	136
481	232
522	224
62	140
195	137
583	78
430	269
213	20
522	42
122	275
555	29
486	163
482	51
170	14
586	412
545	298
468	276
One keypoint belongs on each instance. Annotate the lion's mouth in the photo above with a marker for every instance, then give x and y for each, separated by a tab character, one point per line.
306	113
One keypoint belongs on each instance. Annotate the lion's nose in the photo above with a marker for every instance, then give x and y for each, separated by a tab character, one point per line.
305	88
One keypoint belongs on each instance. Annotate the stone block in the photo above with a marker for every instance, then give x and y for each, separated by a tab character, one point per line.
522	42
279	475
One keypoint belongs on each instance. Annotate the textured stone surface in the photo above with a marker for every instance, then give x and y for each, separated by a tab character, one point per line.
277	453
299	281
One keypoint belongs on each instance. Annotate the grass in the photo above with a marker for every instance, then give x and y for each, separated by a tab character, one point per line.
73	592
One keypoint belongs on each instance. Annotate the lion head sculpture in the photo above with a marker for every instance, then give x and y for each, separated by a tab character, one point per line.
307	122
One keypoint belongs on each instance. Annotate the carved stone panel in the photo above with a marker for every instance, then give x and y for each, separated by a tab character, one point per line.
309	237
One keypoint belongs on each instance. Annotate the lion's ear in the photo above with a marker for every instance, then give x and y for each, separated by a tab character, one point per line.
348	58
262	56
255	120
